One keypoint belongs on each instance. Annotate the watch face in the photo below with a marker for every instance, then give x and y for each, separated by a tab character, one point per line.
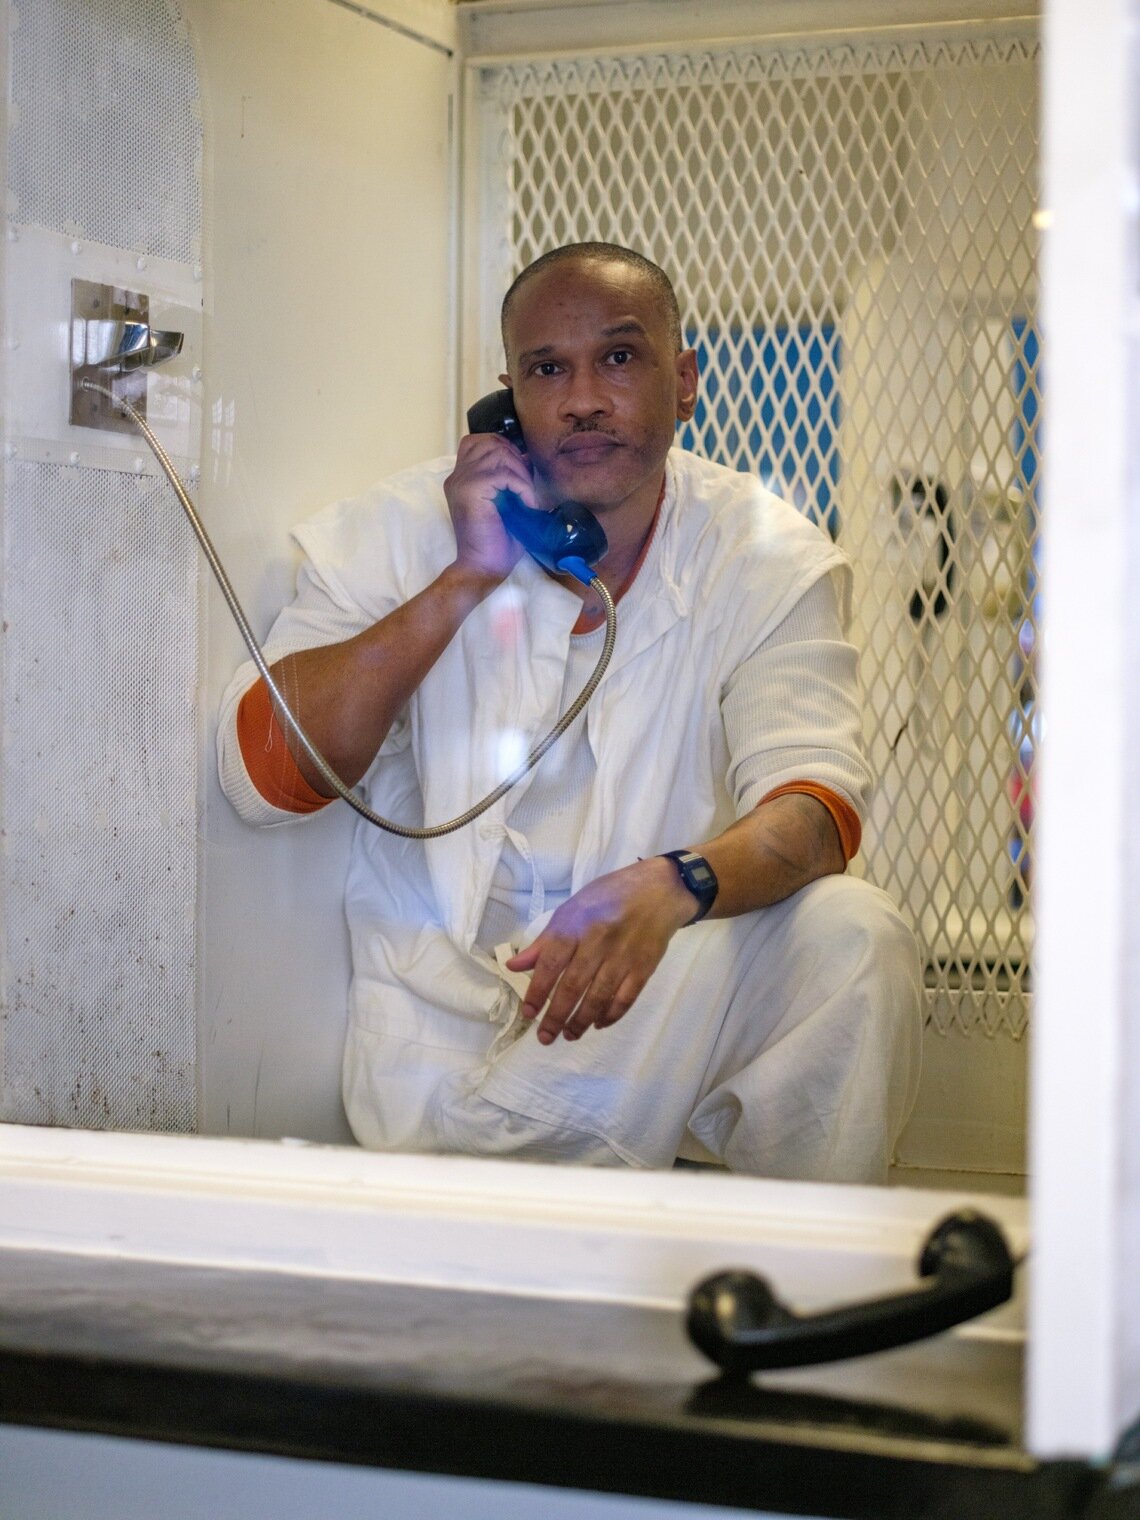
698	877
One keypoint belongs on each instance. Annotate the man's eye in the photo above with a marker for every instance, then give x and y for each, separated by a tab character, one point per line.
547	367
621	356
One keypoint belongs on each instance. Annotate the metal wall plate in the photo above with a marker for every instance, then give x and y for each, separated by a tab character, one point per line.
92	306
39	267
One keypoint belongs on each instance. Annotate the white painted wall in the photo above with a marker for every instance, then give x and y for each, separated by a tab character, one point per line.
327	343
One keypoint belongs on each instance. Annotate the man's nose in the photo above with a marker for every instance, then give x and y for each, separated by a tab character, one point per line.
585	397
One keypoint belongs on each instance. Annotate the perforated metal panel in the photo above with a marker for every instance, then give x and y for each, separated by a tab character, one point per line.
105	140
99	656
850	230
99	788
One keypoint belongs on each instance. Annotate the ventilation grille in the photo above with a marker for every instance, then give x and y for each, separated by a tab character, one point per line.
105	141
850	231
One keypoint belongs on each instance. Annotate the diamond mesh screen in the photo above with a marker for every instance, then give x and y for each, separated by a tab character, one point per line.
850	231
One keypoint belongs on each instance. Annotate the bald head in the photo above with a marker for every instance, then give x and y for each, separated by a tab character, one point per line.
601	253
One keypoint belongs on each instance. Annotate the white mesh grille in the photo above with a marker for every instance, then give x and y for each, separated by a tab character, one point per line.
99	775
850	233
104	137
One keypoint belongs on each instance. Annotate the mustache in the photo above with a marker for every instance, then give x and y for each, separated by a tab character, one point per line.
581	428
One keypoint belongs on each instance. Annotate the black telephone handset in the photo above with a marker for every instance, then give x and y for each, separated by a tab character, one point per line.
567	540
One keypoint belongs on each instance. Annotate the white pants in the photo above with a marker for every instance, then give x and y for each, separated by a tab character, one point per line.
783	1043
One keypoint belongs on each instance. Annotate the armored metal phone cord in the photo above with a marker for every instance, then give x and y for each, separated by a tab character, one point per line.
326	772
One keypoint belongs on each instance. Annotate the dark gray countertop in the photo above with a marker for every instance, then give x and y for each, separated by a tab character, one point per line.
586	1395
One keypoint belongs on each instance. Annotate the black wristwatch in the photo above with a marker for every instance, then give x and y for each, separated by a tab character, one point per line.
698	876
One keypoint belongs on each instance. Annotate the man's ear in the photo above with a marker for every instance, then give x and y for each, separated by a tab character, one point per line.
686	384
506	380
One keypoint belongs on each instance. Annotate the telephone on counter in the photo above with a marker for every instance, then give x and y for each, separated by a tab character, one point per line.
567	540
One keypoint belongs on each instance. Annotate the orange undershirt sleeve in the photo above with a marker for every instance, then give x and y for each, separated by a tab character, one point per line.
268	759
843	815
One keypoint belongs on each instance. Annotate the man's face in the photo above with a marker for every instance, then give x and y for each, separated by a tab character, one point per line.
598	384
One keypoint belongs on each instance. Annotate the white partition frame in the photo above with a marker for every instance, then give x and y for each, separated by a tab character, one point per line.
1084	1379
612	1236
58	1189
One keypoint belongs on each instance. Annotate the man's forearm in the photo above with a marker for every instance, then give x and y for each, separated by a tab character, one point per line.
771	852
603	944
348	695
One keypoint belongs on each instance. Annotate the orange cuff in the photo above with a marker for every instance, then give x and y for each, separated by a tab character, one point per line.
268	758
843	815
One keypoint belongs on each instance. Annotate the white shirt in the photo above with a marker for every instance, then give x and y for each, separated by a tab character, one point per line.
679	747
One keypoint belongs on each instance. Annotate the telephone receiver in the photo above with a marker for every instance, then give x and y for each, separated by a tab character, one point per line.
567	540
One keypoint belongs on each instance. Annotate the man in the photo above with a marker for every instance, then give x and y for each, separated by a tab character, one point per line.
755	1006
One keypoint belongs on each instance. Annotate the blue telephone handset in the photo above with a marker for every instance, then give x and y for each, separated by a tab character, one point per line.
567	540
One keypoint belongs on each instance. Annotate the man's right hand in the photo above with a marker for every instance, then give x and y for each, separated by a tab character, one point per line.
348	695
485	464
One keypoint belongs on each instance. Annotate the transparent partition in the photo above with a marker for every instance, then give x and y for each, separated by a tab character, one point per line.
275	185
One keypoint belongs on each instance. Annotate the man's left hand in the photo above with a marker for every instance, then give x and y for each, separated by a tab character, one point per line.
604	943
601	947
